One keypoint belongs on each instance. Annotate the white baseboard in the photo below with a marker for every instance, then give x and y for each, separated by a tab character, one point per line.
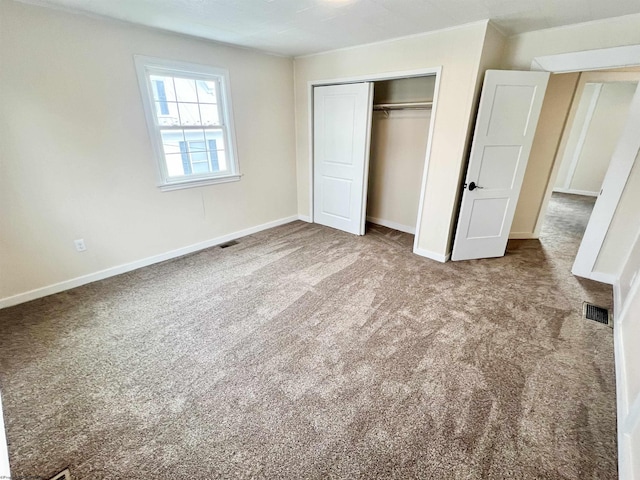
390	224
576	192
127	267
603	277
305	218
438	257
628	413
624	467
523	236
4	452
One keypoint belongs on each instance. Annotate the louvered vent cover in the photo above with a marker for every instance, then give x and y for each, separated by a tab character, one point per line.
63	475
597	314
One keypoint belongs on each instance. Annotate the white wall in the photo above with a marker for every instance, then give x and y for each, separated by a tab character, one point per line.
605	128
398	148
522	49
458	51
585	164
76	159
573	131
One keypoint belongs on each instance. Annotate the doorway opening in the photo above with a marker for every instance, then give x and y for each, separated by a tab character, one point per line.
565	222
595	124
378	188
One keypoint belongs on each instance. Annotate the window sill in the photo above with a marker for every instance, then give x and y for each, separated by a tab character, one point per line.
167	187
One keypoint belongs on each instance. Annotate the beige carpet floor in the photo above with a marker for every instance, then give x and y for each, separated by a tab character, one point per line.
305	352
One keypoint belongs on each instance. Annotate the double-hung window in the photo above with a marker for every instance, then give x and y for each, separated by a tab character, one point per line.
188	110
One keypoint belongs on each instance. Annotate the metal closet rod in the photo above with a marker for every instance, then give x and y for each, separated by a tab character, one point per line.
403	106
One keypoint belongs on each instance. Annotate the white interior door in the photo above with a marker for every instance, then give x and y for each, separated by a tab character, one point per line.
341	137
508	115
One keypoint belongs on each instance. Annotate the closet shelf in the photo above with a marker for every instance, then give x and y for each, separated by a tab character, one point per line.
403	106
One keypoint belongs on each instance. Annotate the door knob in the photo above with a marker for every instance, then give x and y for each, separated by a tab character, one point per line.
473	186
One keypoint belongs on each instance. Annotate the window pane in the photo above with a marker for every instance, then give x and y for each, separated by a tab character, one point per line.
161	98
209	114
213	158
216	146
192	136
201	167
199	157
185	90
189	114
222	160
215	135
171	141
175	165
197	147
206	91
171	117
163	88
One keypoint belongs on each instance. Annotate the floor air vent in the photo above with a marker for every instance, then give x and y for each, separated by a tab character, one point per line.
63	475
597	314
228	244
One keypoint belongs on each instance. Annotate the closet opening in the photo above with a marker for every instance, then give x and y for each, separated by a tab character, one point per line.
399	135
370	151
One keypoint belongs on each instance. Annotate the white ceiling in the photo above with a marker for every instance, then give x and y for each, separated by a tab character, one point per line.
298	27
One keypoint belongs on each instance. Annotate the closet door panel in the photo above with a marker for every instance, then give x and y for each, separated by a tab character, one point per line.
341	137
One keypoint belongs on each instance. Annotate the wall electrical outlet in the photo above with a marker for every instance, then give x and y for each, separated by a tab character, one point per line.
80	246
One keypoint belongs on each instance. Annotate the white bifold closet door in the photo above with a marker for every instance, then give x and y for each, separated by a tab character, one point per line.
341	138
508	115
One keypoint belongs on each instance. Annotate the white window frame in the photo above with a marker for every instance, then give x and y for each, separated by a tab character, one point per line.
147	66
